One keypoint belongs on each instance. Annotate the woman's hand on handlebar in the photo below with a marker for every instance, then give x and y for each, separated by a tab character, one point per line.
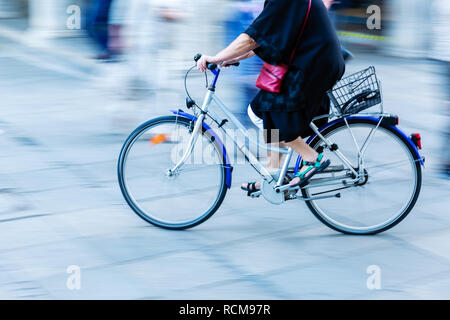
235	61
227	64
202	63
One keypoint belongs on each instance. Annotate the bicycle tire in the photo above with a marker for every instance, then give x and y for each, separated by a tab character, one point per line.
418	183
129	199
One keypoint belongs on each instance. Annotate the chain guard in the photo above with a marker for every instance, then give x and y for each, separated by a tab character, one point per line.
270	194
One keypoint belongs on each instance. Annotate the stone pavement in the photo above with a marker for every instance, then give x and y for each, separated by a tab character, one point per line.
60	204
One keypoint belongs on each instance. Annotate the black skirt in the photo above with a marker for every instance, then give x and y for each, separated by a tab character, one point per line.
286	126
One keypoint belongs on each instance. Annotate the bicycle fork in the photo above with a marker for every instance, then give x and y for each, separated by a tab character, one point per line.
195	132
190	146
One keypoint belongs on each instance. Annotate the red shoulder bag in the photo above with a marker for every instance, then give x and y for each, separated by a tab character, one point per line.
271	76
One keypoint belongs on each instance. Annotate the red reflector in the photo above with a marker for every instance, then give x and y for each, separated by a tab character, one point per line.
417	140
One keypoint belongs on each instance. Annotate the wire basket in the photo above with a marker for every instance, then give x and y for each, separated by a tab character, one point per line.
356	92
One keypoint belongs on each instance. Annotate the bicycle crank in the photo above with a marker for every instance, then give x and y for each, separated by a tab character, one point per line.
270	193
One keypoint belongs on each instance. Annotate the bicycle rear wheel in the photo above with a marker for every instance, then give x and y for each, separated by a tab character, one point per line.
391	185
184	199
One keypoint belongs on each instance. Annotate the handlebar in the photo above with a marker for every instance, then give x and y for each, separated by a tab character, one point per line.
213	66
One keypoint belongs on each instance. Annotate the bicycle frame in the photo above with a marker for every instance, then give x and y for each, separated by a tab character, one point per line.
259	167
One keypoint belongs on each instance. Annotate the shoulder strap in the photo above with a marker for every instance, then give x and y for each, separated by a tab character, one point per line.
300	34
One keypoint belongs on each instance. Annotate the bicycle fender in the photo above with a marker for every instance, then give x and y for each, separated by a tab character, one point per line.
376	120
228	166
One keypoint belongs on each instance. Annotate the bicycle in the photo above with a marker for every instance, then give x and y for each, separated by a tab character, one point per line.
372	184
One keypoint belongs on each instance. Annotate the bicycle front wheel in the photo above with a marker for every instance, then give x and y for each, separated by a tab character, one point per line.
391	184
180	200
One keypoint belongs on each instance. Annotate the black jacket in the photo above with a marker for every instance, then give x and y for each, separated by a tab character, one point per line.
318	61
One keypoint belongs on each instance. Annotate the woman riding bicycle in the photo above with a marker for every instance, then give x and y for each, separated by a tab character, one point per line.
315	67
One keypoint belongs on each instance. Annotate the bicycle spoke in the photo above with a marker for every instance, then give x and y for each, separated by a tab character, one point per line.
175	200
388	166
383	194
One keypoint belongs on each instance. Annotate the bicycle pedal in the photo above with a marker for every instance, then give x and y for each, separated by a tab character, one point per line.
256	194
290	195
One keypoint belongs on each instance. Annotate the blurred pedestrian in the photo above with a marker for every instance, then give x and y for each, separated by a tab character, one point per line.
98	28
137	29
441	52
329	4
239	15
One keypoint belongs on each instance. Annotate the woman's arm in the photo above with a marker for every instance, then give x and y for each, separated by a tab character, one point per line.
240	47
328	3
243	57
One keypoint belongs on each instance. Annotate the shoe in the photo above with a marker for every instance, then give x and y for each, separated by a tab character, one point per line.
313	168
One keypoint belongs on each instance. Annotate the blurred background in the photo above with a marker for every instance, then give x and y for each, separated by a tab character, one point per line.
77	76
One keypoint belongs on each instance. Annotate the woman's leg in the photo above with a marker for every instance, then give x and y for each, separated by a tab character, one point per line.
274	160
303	149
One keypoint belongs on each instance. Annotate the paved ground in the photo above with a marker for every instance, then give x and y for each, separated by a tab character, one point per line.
60	205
